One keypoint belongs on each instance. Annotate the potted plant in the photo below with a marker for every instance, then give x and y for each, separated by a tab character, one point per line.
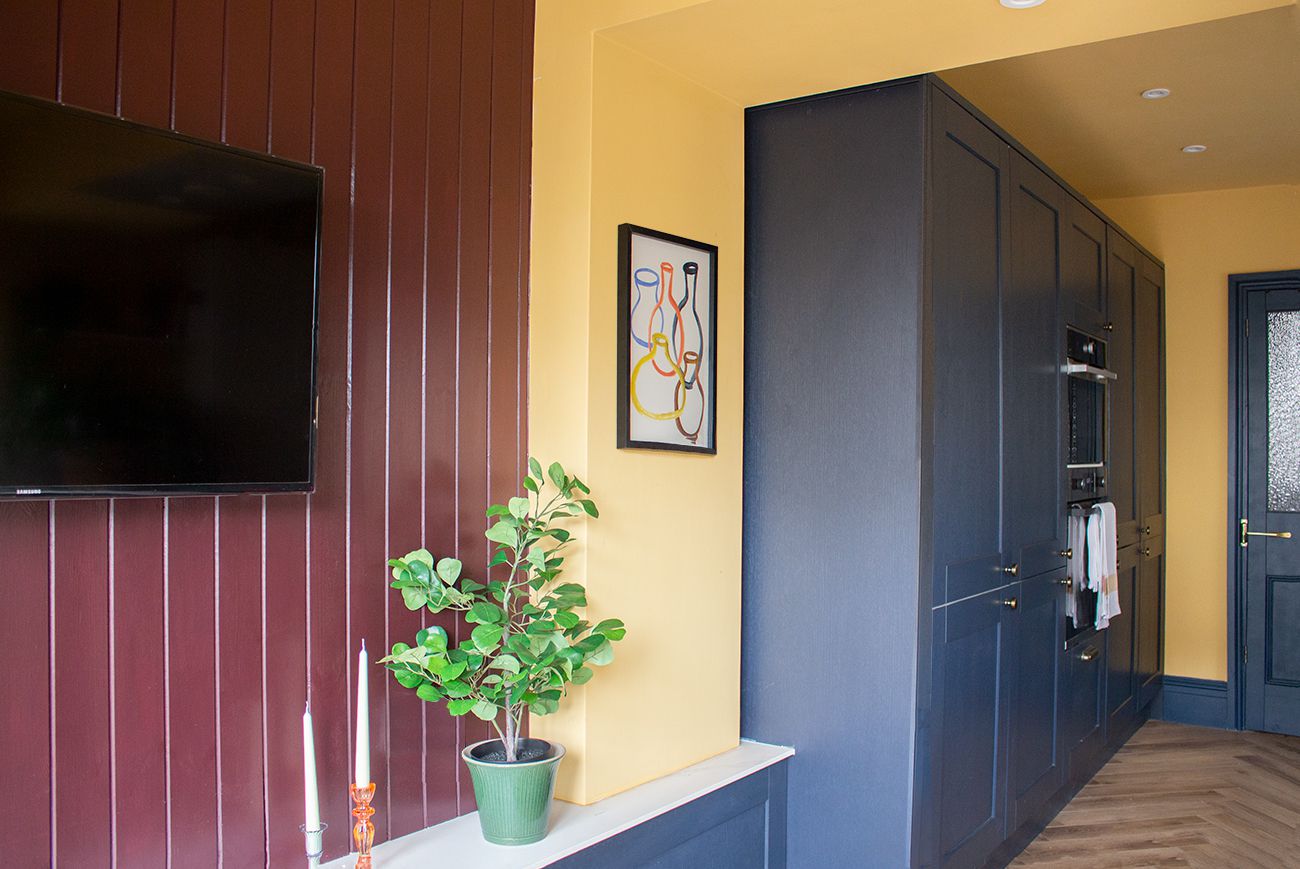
526	645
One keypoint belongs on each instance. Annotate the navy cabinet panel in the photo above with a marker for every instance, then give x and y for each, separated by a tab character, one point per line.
1033	493
973	702
1084	718
1121	648
1083	268
968	166
1149	415
1150	611
1121	287
834	198
1036	752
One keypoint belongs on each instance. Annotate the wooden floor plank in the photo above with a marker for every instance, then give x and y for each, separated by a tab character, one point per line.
1183	796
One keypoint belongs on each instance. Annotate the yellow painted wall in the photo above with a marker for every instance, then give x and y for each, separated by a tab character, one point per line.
665	554
1202	238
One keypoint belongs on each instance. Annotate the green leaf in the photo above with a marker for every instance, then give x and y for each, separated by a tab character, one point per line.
565	620
544	707
429	693
537	557
414	598
582	675
433	638
502	533
398	648
559	534
612	629
456	688
486	637
535	467
486	613
420	572
452	671
460	707
497	510
531	485
519	507
603	655
509	663
582	486
407	679
590	507
420	556
449	570
485	710
556	473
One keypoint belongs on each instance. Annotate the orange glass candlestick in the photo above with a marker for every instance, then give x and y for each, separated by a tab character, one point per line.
363	831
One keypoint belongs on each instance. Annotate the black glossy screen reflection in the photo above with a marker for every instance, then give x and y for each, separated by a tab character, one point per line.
157	309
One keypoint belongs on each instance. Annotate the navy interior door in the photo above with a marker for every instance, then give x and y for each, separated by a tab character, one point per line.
1270	530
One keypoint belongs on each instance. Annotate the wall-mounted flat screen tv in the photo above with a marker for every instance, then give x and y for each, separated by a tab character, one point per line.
157	310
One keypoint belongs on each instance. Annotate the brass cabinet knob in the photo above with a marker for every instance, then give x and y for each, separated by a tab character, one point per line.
1146	550
1089	654
1066	581
1066	553
1011	603
1013	570
1109	327
1146	529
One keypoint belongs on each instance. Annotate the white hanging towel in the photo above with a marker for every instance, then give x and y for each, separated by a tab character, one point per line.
1076	539
1103	551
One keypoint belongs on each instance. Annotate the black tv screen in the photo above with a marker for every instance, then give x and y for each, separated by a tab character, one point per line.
157	310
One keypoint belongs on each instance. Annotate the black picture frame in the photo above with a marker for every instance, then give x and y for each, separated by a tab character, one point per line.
626	233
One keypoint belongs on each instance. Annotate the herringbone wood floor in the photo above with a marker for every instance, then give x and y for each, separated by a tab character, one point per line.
1183	796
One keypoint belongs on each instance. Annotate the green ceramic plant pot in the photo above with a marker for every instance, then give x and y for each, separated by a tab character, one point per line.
514	799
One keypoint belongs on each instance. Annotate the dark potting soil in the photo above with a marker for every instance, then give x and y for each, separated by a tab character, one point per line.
529	749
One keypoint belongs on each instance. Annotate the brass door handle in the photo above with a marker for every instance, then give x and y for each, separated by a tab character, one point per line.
1089	654
1011	603
1066	553
1013	570
1246	533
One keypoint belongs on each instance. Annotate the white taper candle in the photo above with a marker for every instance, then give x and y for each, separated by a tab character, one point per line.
310	795
362	765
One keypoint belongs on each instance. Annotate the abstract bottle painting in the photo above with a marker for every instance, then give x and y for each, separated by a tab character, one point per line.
667	332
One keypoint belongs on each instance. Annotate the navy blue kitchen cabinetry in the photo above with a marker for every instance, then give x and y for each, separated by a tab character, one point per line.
910	271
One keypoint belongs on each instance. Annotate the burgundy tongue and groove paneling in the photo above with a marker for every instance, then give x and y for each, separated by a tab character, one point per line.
163	648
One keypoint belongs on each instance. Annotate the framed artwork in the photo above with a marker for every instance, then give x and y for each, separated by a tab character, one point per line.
667	342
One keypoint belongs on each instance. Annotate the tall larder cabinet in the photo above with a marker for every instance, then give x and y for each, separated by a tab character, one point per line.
910	275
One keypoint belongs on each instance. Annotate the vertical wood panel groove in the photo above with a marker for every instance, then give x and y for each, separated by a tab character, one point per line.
219	617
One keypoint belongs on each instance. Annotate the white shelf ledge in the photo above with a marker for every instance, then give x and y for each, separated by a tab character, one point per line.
458	842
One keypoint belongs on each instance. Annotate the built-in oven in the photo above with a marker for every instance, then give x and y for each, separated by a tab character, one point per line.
1087	422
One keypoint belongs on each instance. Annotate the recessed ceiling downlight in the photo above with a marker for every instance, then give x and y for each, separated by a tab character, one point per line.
1194	149
1155	93
1021	4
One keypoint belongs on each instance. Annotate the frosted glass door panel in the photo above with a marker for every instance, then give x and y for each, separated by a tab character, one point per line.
1284	411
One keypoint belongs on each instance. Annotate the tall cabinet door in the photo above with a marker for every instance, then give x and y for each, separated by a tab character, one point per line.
1037	749
1033	347
973	642
1121	649
1083	268
968	166
1149	361
1122	270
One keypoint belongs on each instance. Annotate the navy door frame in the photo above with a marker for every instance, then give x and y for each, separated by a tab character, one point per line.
1239	288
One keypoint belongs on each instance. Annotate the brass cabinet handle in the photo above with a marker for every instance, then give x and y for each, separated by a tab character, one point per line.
1066	581
1146	550
1066	553
1089	654
1013	570
1011	603
1146	529
1109	327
